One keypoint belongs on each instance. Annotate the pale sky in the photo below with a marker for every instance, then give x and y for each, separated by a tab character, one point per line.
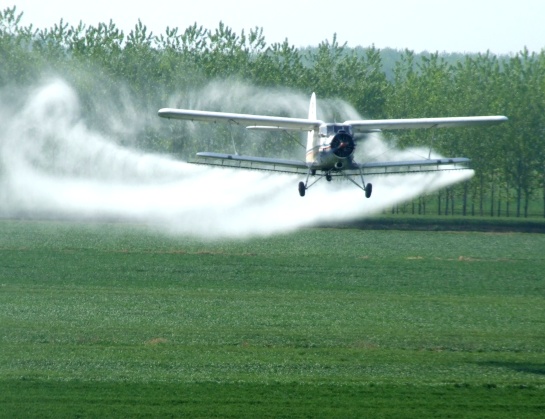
501	26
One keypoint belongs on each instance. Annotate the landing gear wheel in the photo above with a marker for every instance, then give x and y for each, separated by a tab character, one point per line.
328	177
302	188
368	190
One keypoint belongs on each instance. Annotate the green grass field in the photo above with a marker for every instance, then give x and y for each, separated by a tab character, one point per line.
118	320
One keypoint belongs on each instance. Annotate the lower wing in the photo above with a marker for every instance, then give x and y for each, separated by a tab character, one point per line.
298	166
408	166
238	161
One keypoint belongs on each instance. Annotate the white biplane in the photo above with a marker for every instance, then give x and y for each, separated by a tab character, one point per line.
330	146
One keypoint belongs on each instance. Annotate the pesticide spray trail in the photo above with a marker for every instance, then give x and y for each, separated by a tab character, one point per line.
53	165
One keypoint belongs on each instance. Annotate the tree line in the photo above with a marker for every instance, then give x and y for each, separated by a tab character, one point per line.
509	160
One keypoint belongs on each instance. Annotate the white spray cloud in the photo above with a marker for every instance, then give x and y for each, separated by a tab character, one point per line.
53	164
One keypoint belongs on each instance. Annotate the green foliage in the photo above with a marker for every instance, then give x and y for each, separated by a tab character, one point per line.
159	70
117	320
54	399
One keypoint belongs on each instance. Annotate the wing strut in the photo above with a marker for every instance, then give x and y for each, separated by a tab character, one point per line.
432	140
233	141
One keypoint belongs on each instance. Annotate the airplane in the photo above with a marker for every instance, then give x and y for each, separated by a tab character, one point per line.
330	146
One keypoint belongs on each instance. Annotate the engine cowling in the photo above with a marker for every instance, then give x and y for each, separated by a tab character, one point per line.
342	144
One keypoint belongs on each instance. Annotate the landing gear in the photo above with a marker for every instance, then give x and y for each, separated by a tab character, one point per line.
302	188
368	190
366	187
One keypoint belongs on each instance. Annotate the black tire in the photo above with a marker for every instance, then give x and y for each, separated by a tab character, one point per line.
302	188
368	190
328	177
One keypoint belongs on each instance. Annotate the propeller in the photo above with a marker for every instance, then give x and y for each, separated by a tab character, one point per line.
342	144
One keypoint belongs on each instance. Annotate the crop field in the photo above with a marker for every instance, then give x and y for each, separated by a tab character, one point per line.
117	319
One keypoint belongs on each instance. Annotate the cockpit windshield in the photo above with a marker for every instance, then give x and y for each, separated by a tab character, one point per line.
328	130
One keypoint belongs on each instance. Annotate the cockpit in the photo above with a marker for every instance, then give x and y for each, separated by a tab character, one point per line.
327	130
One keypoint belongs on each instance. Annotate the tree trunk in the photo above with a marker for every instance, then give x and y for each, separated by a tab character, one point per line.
526	203
519	200
492	197
481	199
464	200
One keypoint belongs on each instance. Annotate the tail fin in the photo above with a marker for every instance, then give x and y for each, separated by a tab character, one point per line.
312	139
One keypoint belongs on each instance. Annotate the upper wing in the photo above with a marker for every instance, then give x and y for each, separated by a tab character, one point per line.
413	123
247	120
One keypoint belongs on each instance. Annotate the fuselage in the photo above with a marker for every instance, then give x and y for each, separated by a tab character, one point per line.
332	148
